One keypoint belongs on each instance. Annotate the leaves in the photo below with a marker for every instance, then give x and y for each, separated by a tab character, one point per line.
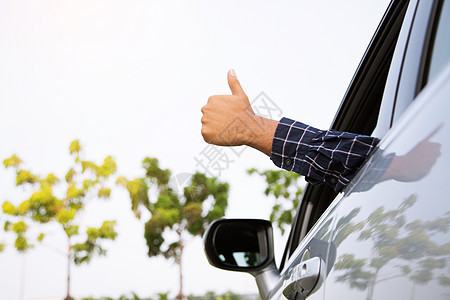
83	180
19	227
356	277
70	175
74	193
154	236
83	252
75	147
41	237
9	209
104	192
217	212
444	280
13	162
106	231
138	191
108	168
50	180
44	205
393	237
71	230
174	215
8	226
21	242
25	176
166	201
66	215
155	173
284	186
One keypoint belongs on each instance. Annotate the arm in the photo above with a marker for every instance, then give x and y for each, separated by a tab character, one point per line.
329	156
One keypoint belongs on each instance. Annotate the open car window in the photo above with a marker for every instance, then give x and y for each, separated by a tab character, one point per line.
439	47
362	110
359	113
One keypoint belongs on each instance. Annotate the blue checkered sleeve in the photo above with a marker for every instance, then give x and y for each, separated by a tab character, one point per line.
322	156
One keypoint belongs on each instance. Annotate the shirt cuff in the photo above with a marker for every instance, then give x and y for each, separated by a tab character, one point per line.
291	143
322	156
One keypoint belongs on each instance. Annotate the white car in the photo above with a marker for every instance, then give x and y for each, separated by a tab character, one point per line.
380	238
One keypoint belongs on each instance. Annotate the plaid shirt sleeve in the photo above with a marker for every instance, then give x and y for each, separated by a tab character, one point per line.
322	156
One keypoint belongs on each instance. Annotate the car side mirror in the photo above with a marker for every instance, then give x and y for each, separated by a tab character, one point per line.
244	245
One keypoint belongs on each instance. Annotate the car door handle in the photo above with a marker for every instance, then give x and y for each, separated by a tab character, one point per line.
305	278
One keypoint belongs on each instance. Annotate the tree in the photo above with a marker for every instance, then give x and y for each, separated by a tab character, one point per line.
211	295
282	185
418	257
202	201
83	181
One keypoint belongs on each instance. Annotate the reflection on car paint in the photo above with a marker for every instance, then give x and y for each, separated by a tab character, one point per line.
418	257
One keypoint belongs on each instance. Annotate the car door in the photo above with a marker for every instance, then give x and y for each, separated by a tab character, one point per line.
394	102
397	245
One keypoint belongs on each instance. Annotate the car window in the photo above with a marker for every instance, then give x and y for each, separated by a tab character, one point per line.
439	53
426	54
360	109
359	113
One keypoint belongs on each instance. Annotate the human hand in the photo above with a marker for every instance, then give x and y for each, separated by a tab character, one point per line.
228	119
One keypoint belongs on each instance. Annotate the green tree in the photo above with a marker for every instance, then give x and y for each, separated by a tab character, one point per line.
185	214
163	296
211	295
84	180
285	187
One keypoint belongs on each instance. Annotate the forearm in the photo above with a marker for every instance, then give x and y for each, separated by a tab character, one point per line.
261	136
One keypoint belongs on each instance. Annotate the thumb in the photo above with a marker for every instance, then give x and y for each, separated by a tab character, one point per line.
234	84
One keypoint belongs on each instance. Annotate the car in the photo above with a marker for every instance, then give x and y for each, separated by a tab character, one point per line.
387	234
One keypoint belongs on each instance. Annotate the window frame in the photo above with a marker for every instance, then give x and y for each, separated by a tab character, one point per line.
431	43
317	198
415	57
407	69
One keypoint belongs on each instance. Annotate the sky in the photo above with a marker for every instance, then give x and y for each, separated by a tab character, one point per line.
128	79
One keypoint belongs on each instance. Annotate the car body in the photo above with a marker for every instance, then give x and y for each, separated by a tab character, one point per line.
382	237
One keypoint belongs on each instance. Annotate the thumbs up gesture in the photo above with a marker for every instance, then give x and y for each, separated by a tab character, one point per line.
224	116
229	120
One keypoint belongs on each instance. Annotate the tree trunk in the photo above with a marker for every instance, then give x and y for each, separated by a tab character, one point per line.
22	276
413	291
179	261
68	273
371	285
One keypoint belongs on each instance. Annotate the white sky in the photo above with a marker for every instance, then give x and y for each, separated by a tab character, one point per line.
128	78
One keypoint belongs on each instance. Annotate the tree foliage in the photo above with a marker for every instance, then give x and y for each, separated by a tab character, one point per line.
83	181
411	244
285	187
186	213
